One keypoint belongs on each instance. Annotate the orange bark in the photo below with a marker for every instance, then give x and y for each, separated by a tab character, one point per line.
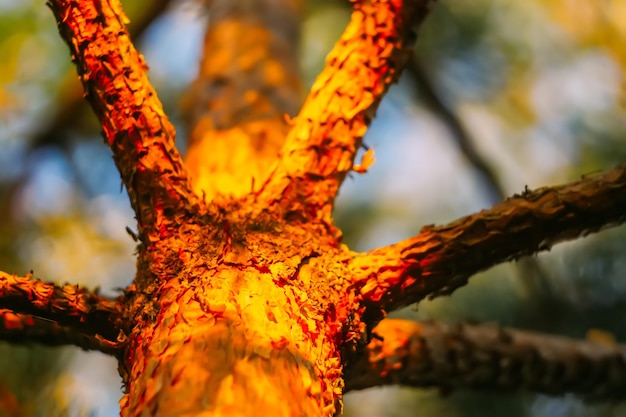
253	323
320	147
247	303
134	124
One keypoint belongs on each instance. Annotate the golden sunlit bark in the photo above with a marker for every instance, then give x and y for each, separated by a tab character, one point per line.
321	145
252	326
488	357
135	127
70	106
247	303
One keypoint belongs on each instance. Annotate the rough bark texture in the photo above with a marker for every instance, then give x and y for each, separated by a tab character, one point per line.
442	258
134	125
262	315
245	301
320	147
70	106
68	305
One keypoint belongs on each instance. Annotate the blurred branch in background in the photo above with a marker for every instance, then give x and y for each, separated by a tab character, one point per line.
248	80
533	277
435	103
429	354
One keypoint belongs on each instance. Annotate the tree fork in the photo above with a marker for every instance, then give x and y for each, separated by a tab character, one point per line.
250	305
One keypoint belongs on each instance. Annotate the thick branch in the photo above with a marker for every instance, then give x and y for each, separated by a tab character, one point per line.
26	329
248	81
488	357
321	145
441	259
68	305
134	124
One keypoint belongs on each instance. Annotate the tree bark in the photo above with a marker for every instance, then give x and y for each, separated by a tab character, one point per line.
245	301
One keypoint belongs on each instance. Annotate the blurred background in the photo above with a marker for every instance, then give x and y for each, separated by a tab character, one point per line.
502	95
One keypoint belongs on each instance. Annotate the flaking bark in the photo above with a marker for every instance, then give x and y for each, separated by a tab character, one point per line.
67	305
134	124
320	148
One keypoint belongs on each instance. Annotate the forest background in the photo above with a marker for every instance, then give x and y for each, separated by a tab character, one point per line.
502	96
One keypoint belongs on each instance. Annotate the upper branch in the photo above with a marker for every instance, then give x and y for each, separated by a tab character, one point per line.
441	259
480	356
68	100
248	81
135	127
325	136
69	305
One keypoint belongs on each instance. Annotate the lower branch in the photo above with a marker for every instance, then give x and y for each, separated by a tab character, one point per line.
25	329
479	356
441	259
69	305
69	101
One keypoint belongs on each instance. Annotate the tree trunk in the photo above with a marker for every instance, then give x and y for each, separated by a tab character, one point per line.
247	317
245	301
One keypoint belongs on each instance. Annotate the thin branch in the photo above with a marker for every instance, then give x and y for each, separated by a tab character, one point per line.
325	136
441	259
248	81
459	133
135	127
26	329
69	99
68	305
431	354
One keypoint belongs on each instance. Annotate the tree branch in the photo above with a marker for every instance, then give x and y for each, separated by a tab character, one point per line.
430	354
325	136
248	81
68	305
441	259
26	329
69	98
135	127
